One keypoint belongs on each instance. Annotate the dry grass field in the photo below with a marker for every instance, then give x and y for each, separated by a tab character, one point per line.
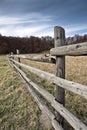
76	70
18	111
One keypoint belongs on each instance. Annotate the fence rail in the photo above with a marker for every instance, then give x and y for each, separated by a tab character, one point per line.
40	58
44	93
69	85
61	84
70	50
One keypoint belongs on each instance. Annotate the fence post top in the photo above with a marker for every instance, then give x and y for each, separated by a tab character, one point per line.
18	52
59	28
59	36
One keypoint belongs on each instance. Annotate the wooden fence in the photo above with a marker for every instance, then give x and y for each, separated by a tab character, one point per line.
58	101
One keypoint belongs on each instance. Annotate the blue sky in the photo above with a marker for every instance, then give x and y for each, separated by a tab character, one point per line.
38	17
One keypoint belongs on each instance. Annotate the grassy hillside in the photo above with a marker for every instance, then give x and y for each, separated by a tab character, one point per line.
18	111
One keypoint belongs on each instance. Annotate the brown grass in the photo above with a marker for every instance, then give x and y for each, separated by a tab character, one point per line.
76	70
18	111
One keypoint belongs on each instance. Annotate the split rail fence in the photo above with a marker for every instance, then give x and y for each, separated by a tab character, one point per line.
57	57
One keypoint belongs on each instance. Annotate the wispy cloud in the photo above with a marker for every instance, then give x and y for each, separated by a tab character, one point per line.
75	28
29	18
40	30
36	17
24	31
30	24
28	31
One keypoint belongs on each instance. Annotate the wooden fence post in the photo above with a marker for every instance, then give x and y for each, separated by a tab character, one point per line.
12	55
59	40
18	52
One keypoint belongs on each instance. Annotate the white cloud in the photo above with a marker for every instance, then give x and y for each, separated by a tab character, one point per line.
34	24
30	24
76	28
24	31
30	30
28	18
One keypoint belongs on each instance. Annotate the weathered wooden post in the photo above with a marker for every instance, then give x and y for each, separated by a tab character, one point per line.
18	53
12	57
59	40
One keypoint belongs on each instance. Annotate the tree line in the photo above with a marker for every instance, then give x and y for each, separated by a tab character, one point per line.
25	45
33	44
76	39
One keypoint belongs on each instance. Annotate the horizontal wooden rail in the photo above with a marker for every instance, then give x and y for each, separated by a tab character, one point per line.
71	50
75	122
44	108
69	85
40	58
41	105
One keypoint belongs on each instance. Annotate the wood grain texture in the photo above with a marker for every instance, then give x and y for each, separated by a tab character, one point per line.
59	40
70	50
39	58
